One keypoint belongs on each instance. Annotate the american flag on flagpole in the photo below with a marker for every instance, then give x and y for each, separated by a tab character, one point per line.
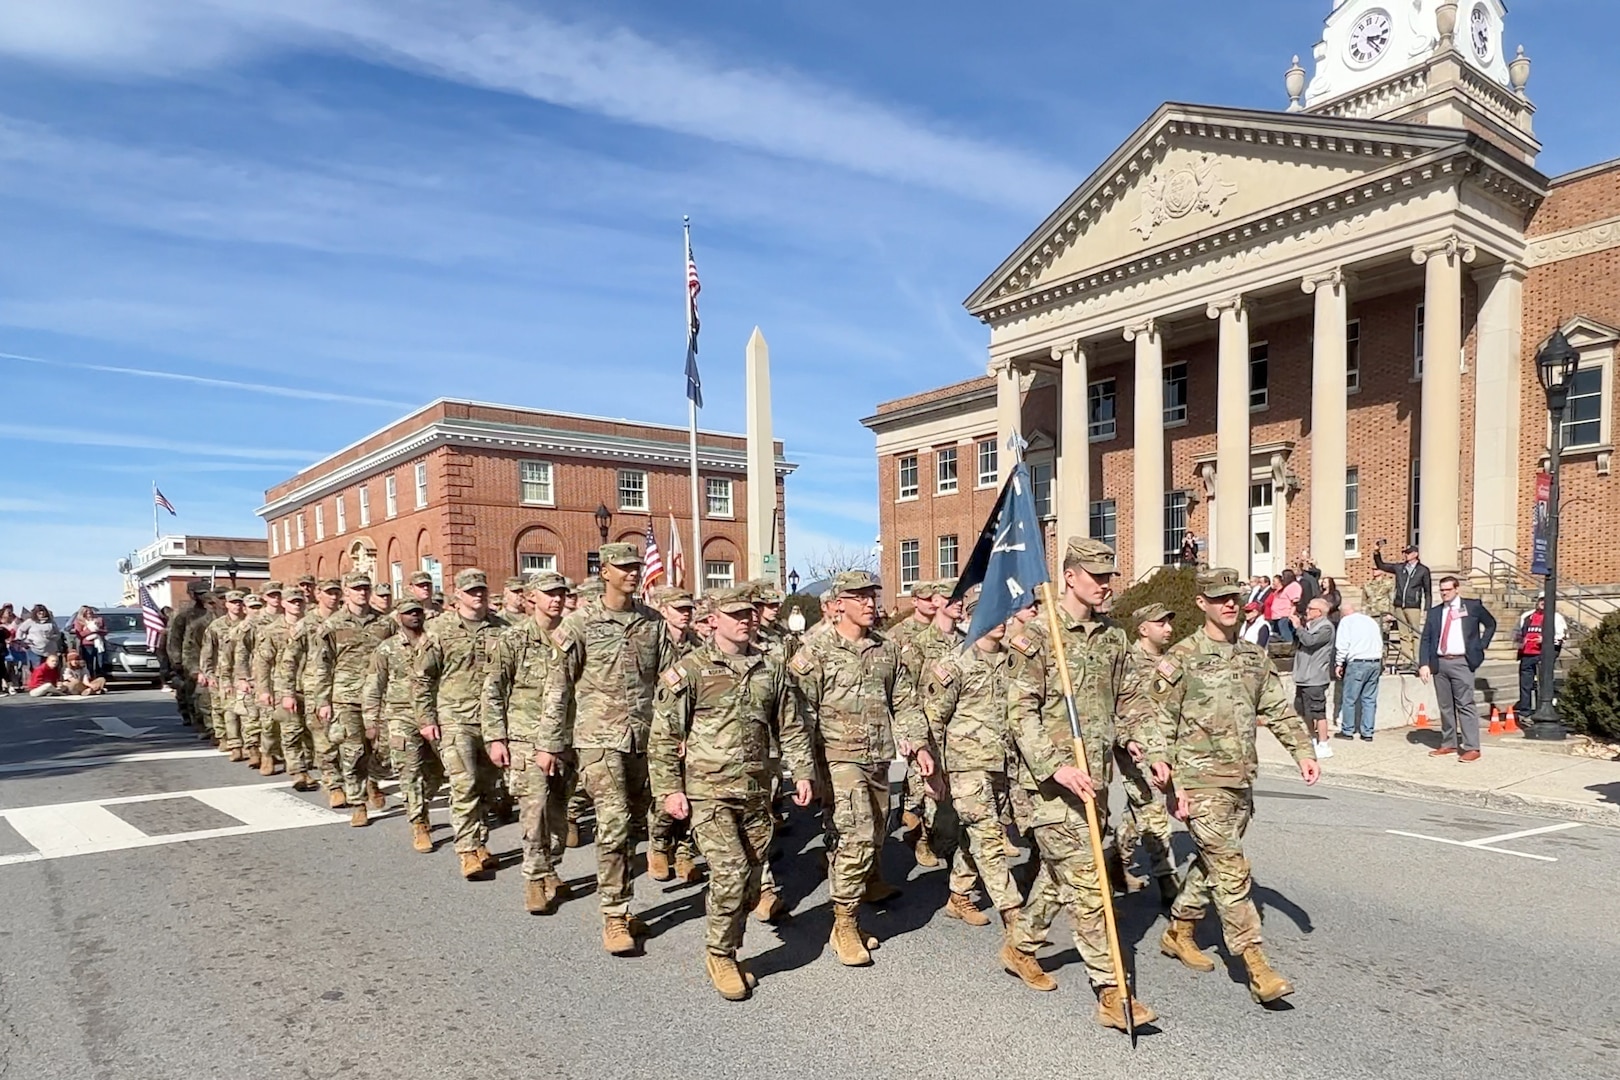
151	618
162	500
677	558
652	566
694	382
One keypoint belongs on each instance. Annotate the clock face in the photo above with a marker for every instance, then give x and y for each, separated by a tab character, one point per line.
1479	31
1369	37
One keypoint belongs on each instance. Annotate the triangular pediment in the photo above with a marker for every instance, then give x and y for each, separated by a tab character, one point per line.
1191	170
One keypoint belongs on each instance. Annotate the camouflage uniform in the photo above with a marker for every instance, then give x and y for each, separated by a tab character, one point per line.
912	802
387	706
937	838
1145	818
219	664
716	717
295	675
202	706
664	833
448	691
246	643
280	728
184	674
601	704
340	658
965	699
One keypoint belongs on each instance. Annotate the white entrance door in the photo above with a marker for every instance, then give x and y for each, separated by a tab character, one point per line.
1264	545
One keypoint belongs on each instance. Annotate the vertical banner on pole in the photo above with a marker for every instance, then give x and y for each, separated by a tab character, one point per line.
1538	542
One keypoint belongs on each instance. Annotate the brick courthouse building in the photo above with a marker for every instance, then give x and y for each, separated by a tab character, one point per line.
511	490
1293	331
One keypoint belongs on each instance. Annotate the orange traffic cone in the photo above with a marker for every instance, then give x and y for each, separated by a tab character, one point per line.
1496	722
1422	720
1510	726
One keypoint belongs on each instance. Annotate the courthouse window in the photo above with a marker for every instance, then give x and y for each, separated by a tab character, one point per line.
1175	394
320	523
396	578
947	556
1352	511
910	564
421	485
1105	521
534	482
945	467
907	477
989	463
1175	525
1040	481
719	574
1259	375
365	506
632	489
286	533
718	491
1417	343
275	540
342	516
1100	414
1352	356
529	563
1583	418
300	524
390	495
1412	532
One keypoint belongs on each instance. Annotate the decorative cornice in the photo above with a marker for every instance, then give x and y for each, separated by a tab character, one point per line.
1237	305
474	434
1571	243
1332	279
1451	246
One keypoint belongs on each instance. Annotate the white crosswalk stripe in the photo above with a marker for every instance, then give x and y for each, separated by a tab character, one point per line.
84	828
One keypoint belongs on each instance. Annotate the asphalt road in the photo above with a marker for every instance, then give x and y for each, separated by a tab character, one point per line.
310	949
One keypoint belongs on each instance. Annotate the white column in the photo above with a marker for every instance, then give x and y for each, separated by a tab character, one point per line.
1232	438
1074	444
1440	435
1147	494
1009	414
1497	484
1329	422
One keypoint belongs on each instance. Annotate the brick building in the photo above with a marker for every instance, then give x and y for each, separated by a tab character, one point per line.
1243	309
458	484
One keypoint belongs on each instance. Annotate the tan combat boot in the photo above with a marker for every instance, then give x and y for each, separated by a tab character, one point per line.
535	898
1026	967
472	867
1265	985
235	755
1178	943
658	865
1111	1010
374	796
686	870
487	858
421	838
962	907
252	758
616	937
572	839
847	938
558	888
726	977
302	782
335	799
359	818
769	908
925	854
267	765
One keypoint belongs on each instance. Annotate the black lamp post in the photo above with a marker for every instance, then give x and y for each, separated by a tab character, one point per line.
1555	364
604	518
793	581
231	568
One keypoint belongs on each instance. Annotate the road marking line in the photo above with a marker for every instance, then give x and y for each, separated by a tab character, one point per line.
1472	845
44	764
72	829
264	807
1525	832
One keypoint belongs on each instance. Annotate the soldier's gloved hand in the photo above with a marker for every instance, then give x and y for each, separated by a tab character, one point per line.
1076	781
1310	771
676	806
549	763
289	703
803	792
497	753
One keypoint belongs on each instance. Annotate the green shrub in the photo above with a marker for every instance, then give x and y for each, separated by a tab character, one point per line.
1175	589
1590	702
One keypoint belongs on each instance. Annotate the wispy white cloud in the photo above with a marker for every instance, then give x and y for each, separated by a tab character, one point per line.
76	437
32	506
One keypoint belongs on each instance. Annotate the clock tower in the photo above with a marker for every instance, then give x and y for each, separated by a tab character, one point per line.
1439	62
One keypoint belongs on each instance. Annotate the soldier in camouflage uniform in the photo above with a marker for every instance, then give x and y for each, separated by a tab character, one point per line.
777	642
612	653
1207	697
340	658
540	776
295	680
1145	818
202	706
934	838
258	727
448	689
388	708
420	587
913	807
719	711
1056	786
218	668
514	610
668	838
965	700
184	678
248	709
276	696
861	703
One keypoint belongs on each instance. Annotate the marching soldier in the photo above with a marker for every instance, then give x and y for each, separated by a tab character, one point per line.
184	677
340	657
421	588
861	704
191	657
1055	787
668	838
514	611
539	776
296	677
278	690
382	598
1208	696
448	690
1145	818
719	709
965	699
388	709
918	652
252	727
601	704
218	667
264	737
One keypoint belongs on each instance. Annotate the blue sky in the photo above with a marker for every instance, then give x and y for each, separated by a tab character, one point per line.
239	234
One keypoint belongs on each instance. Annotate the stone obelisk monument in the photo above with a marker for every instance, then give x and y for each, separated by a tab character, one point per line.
762	533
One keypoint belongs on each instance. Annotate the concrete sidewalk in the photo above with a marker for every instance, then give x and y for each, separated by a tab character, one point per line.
1512	774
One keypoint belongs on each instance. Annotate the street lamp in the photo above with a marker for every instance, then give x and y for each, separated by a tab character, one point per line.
604	517
1555	364
231	568
793	581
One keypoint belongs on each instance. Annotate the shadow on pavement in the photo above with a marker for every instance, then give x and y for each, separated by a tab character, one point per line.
1607	792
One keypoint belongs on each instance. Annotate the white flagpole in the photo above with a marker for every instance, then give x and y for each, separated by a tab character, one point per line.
691	410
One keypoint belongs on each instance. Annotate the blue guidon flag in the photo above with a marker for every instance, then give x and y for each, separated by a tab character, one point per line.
1009	559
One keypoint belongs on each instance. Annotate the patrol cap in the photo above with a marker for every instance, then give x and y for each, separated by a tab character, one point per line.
514	584
738	600
357	579
1094	556
413	604
421	577
677	598
270	587
305	579
199	587
235	596
472	578
1152	613
591	586
548	581
294	597
853	581
621	554
384	589
766	592
253	600
944	588
1219	582
330	584
924	590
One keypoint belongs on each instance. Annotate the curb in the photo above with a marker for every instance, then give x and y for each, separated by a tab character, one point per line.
1607	816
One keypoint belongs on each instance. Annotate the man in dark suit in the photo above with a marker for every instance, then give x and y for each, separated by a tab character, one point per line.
1456	634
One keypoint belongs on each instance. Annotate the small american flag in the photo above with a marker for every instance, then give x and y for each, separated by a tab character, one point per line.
151	618
694	382
162	500
653	565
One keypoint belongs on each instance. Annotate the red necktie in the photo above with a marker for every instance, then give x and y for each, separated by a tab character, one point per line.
1445	628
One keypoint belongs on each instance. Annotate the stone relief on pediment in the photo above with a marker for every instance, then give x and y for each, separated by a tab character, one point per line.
1175	193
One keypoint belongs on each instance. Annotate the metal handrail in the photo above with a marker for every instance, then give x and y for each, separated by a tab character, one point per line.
1515	582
